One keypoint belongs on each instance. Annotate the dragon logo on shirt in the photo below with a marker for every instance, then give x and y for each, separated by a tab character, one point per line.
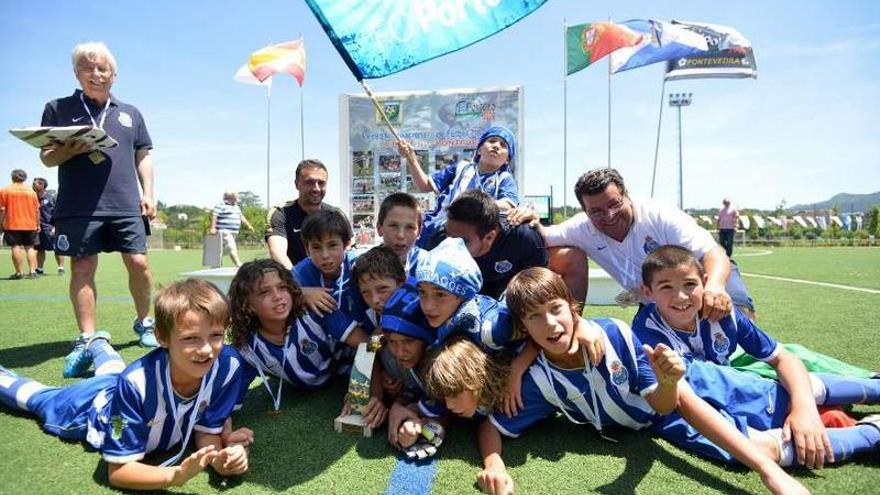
308	347
619	375
650	245
720	343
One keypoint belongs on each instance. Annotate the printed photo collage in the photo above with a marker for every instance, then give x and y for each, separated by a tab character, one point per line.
375	176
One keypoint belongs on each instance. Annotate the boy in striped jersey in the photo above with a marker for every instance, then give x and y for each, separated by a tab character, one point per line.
185	389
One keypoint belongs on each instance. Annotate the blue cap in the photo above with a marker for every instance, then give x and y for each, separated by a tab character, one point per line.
451	267
403	315
502	132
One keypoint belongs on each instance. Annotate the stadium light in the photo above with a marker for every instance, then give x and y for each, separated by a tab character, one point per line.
679	100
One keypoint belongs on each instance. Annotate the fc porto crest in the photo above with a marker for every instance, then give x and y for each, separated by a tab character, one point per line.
650	245
619	375
308	346
720	343
125	119
61	243
503	266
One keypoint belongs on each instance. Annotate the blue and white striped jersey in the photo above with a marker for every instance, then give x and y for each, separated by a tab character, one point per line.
713	342
228	217
485	321
142	413
344	288
611	394
310	348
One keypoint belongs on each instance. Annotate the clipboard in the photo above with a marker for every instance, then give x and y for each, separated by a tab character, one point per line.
43	137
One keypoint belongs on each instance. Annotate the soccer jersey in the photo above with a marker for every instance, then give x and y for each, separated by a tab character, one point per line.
286	221
485	321
306	358
713	342
143	414
453	180
655	224
21	207
228	217
344	289
412	260
610	394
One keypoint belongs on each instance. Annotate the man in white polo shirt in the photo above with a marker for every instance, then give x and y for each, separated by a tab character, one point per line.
618	232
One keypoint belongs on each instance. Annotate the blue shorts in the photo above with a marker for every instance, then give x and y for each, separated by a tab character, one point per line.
744	399
47	241
85	236
66	411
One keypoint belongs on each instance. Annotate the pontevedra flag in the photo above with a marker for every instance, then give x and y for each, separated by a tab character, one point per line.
587	43
283	58
379	37
662	41
730	55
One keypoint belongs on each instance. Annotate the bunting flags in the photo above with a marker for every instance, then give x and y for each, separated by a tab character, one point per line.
376	37
730	55
587	43
661	41
284	58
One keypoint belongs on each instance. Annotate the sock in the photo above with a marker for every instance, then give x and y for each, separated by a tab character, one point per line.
16	391
107	360
841	390
845	442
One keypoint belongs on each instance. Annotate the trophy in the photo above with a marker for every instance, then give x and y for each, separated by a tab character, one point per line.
359	390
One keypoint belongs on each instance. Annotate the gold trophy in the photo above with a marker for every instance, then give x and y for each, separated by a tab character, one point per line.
359	390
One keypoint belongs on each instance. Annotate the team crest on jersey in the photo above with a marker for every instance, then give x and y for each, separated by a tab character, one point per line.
202	406
720	343
503	266
61	243
118	424
619	375
124	119
308	347
650	245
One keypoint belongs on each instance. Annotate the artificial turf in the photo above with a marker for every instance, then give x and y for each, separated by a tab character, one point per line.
298	452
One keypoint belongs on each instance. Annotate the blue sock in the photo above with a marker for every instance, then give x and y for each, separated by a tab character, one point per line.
845	442
107	360
11	391
842	390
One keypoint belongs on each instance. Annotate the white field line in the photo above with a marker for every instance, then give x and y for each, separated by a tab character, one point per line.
755	253
810	282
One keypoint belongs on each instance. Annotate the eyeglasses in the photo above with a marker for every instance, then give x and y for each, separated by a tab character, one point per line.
89	67
609	212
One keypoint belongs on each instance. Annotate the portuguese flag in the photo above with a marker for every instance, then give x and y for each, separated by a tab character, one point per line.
586	43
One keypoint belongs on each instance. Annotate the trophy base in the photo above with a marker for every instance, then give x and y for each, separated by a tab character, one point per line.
353	424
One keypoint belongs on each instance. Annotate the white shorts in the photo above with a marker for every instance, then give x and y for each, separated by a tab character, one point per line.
229	240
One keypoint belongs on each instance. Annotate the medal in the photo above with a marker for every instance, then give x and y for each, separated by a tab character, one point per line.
97	157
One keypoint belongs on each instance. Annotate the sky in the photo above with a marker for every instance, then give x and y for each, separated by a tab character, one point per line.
804	130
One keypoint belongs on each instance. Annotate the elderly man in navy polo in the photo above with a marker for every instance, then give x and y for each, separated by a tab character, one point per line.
105	197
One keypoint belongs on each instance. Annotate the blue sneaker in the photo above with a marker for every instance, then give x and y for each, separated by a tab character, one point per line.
145	329
79	360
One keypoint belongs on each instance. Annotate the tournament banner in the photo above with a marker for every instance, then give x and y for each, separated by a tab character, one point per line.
730	55
376	38
443	128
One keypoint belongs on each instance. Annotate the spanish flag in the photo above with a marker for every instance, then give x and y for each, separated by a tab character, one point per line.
284	58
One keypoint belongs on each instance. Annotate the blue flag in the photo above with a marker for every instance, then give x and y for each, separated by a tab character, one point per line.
380	37
661	41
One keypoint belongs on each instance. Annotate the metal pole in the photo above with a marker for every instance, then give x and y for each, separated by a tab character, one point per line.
302	128
657	143
268	141
680	100
609	109
564	123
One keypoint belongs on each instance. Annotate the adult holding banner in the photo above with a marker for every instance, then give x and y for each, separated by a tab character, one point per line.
100	206
489	171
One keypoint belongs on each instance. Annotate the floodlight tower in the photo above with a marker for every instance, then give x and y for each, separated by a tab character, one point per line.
679	100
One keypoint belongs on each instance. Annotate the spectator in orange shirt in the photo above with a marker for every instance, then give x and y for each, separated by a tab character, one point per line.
20	218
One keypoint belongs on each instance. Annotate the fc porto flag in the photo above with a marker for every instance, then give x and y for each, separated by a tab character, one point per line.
730	55
587	43
380	37
661	41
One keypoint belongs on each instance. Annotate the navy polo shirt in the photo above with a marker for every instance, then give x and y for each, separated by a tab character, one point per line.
109	188
286	221
514	250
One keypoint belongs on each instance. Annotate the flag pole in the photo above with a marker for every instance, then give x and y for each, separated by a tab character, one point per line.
379	109
302	129
268	140
609	107
657	143
564	120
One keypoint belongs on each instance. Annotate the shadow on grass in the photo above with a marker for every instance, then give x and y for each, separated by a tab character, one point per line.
552	439
36	354
299	443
